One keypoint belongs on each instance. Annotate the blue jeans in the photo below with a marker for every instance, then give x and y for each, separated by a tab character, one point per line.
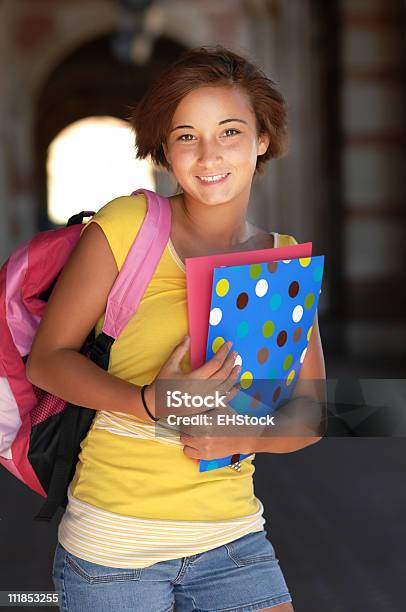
241	576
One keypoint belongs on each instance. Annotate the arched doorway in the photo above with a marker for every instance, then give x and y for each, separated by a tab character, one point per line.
90	82
89	163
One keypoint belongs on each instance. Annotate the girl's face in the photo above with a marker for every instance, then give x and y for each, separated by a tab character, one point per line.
213	145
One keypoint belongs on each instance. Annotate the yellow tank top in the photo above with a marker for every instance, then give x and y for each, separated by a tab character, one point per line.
125	467
145	476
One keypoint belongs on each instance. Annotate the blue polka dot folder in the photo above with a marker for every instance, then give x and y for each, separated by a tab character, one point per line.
267	310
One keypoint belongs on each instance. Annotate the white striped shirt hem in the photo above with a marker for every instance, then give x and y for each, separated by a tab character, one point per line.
114	540
123	426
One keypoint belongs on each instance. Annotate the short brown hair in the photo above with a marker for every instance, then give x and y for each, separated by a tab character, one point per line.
151	118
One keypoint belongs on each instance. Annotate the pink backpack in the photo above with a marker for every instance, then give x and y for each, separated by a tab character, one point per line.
40	434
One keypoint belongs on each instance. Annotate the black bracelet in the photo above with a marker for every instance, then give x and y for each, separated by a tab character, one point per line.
145	405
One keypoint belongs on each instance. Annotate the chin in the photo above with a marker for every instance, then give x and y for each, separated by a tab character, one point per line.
214	201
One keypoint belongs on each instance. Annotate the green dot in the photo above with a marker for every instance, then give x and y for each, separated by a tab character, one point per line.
268	329
243	329
309	300
287	362
255	270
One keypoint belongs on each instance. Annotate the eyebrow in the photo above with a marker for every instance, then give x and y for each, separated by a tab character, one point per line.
178	127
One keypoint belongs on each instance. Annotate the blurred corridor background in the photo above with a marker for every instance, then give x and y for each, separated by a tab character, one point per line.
70	71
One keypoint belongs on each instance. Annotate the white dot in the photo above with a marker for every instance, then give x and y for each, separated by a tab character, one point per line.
297	313
238	360
303	355
286	260
215	316
261	287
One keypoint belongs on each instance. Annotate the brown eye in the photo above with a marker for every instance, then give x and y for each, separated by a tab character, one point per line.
184	136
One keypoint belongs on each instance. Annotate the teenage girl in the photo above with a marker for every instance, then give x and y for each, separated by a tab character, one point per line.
144	530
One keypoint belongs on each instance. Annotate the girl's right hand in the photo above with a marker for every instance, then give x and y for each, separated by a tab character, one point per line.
218	374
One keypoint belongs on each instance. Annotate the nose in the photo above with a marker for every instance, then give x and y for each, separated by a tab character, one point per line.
209	153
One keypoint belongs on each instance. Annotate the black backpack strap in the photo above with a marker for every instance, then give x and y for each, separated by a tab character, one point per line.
78	218
75	424
100	351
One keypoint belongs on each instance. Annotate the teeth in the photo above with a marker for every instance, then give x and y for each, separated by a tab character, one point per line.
211	179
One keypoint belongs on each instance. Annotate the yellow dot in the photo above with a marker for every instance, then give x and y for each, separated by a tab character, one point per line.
305	261
246	379
290	377
222	287
217	342
309	333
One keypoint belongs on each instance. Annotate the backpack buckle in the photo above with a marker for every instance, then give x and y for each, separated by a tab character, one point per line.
100	351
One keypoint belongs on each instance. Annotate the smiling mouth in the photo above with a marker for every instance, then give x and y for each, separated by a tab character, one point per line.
214	178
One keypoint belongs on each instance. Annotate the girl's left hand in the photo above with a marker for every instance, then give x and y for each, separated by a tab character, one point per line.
207	442
215	447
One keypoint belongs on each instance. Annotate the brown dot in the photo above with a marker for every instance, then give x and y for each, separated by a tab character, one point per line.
293	289
276	394
297	333
263	355
235	458
272	266
242	300
282	337
256	398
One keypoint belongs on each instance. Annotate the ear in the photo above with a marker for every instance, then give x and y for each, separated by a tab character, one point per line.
263	143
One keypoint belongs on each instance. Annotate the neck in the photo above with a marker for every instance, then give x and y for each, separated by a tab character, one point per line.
221	225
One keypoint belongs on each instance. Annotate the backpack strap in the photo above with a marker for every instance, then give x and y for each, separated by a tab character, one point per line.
140	264
124	298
